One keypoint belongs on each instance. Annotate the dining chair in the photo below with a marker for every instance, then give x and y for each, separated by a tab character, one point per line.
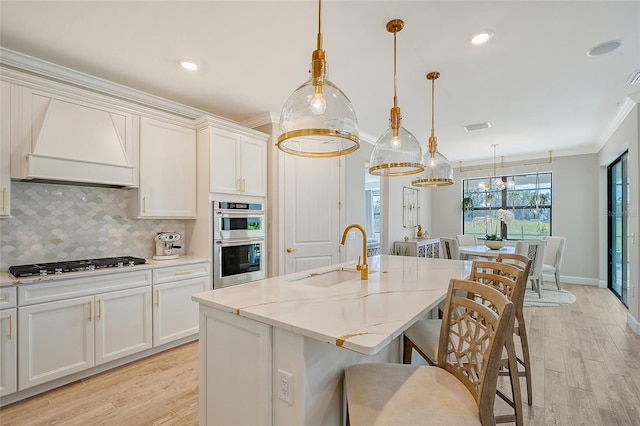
449	248
424	335
553	256
460	389
467	240
534	250
519	328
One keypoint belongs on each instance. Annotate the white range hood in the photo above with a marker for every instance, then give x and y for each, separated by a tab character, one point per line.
70	140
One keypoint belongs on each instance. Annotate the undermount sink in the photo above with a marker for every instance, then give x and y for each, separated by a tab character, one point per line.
329	278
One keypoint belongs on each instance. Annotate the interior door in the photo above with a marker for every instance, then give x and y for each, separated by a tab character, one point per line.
313	218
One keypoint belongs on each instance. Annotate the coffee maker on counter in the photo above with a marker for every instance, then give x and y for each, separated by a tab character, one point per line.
165	243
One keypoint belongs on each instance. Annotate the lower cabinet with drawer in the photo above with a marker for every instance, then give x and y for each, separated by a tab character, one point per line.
68	335
8	341
175	315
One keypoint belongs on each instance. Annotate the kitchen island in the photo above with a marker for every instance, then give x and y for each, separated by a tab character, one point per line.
273	352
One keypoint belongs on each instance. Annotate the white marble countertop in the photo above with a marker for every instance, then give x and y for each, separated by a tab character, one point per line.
363	316
6	279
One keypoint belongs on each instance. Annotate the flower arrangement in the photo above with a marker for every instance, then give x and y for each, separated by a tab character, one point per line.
502	215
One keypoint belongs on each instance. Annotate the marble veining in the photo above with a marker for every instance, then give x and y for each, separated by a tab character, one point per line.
363	316
53	222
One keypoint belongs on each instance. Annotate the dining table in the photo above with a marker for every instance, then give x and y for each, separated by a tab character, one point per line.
484	251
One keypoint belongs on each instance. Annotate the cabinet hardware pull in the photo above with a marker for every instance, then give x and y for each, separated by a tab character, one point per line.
4	199
157	297
244	185
3	299
90	310
144	204
10	327
100	309
182	272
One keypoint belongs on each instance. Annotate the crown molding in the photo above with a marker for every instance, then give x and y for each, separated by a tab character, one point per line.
627	106
28	64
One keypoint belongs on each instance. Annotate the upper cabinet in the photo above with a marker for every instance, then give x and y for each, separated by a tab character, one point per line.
73	136
238	162
5	149
167	170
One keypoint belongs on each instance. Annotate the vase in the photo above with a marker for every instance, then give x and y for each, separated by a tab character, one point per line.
494	244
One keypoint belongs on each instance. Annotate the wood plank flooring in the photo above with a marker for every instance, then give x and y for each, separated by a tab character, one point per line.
585	363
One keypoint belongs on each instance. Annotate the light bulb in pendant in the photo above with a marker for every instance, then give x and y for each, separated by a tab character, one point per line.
317	104
395	142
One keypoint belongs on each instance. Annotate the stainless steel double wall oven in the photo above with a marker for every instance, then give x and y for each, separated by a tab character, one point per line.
238	243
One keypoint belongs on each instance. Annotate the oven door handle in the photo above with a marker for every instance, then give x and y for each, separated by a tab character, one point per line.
236	242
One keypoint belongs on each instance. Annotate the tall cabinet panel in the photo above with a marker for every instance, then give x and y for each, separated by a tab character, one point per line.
5	149
8	352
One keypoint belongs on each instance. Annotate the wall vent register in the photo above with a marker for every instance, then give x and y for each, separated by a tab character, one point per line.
55	268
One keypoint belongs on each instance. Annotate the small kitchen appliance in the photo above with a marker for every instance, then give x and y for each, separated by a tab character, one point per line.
165	243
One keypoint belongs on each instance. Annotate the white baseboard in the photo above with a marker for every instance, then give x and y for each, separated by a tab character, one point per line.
573	280
633	323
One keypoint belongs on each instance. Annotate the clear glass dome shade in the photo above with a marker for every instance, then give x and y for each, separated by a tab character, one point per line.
396	156
437	172
318	123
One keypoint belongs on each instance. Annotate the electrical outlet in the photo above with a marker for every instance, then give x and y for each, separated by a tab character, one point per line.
285	386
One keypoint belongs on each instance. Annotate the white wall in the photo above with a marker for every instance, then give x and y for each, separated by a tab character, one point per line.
355	196
574	213
626	137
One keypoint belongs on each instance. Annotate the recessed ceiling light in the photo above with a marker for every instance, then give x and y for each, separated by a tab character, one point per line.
604	48
481	37
188	65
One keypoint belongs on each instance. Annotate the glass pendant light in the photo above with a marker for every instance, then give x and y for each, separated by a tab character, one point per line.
437	170
397	152
318	119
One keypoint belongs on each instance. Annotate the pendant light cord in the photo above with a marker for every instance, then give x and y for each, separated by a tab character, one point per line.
395	73
433	106
319	24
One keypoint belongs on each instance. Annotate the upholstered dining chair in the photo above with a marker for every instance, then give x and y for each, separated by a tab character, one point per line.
424	335
553	257
534	250
449	248
519	327
467	240
461	389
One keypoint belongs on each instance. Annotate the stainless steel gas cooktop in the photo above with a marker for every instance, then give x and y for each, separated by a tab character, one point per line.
52	268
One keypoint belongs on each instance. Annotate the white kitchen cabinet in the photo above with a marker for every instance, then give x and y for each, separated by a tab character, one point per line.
238	163
70	325
122	322
8	352
167	171
5	149
56	339
175	315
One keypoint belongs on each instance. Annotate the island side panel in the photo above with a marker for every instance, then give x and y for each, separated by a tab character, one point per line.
318	372
235	370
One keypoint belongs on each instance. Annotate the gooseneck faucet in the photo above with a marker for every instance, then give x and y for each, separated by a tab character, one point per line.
363	268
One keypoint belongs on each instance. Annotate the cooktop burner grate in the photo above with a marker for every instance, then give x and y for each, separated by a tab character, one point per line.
19	271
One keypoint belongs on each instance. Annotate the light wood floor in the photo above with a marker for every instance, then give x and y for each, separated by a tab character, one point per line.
586	370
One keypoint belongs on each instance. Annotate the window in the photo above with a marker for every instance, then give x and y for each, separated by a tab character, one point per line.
527	196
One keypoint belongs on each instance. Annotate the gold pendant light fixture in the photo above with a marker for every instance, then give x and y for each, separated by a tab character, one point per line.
437	170
397	152
318	119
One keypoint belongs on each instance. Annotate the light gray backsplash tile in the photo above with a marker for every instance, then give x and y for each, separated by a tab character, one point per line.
61	222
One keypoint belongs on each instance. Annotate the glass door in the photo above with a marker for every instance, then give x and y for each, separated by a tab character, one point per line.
618	200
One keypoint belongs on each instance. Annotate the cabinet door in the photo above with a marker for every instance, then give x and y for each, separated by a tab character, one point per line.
5	147
122	323
225	162
175	315
56	339
254	167
8	352
167	170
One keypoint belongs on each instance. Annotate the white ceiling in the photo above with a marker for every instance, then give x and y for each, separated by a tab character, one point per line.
533	81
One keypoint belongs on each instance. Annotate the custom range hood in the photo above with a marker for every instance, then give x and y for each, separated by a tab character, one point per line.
69	140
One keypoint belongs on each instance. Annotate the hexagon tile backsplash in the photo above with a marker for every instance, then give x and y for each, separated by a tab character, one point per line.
60	222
